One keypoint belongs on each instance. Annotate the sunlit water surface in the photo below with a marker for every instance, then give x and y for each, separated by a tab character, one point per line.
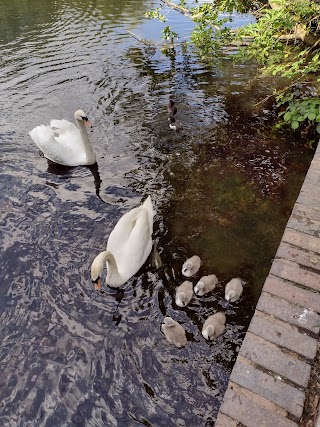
223	189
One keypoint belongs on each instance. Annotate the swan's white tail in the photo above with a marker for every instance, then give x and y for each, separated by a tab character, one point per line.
147	204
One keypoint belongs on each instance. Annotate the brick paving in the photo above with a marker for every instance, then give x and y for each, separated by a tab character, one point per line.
270	378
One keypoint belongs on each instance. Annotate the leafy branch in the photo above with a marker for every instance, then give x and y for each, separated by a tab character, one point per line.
284	40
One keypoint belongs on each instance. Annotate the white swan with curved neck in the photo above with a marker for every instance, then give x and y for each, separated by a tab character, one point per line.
64	143
128	247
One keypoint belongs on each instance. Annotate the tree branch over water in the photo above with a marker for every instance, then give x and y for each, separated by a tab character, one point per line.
284	41
186	12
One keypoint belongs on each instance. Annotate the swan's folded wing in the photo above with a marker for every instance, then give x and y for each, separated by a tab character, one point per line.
122	230
42	135
67	134
60	126
151	212
49	144
139	243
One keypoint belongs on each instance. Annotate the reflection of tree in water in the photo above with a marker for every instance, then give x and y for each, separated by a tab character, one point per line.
19	17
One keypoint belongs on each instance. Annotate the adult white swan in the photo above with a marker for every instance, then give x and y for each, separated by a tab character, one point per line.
64	143
128	247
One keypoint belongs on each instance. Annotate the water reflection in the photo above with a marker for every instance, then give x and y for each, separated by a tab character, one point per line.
72	356
54	168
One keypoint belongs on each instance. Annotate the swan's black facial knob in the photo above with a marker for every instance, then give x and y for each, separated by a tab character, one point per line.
86	121
97	284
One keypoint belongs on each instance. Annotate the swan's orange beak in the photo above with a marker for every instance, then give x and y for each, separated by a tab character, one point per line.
97	284
88	124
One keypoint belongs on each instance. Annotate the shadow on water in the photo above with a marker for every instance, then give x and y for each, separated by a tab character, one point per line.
61	170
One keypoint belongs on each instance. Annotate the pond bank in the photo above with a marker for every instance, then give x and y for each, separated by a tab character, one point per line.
271	377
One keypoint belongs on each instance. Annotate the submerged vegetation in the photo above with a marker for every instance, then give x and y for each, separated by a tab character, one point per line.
284	40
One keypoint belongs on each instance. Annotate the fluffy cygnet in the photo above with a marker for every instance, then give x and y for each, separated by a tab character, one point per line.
214	326
206	284
184	293
191	266
174	332
233	290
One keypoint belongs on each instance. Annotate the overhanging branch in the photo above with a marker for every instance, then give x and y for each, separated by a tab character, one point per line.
186	12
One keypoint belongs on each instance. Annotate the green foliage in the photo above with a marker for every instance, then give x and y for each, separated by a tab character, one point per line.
201	37
241	6
300	112
155	14
278	41
297	65
271	46
209	35
168	34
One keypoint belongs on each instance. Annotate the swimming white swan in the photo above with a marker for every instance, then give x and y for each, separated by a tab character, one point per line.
174	332
205	284
214	326
184	293
191	266
233	290
128	247
64	143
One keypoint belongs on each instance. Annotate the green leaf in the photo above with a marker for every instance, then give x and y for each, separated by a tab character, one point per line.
287	116
311	116
295	125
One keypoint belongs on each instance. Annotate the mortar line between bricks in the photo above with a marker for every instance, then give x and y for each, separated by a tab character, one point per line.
297	285
288	414
284	350
302	266
300	329
300	306
271	373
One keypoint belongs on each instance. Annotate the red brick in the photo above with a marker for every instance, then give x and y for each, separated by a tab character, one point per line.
292	271
309	200
276	286
304	225
313	177
288	312
305	241
225	421
249	409
283	334
302	211
300	256
268	386
310	190
271	357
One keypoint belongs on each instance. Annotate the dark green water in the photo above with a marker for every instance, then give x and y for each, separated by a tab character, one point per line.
223	189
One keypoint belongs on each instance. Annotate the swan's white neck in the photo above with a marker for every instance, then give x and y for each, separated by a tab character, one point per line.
91	157
113	276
